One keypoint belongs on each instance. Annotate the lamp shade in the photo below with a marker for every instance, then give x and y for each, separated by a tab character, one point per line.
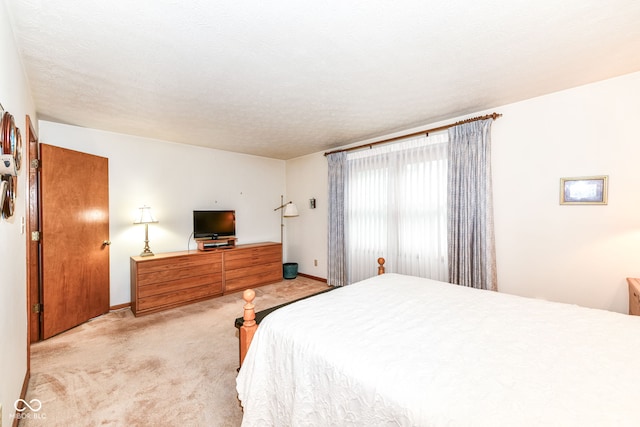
290	210
145	216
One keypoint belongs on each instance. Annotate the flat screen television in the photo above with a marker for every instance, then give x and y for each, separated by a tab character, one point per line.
214	224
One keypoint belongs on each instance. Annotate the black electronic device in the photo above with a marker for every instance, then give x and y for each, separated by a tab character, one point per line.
214	224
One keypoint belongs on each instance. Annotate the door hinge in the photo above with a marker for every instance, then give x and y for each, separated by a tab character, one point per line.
36	308
35	236
35	164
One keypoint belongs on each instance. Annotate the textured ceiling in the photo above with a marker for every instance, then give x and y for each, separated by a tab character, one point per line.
285	78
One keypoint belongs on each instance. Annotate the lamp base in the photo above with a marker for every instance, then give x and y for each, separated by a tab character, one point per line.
146	251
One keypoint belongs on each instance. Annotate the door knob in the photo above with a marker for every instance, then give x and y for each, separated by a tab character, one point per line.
106	242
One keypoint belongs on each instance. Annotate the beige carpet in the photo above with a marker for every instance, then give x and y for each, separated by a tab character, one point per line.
174	368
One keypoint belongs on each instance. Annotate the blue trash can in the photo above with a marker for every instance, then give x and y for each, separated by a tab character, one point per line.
290	270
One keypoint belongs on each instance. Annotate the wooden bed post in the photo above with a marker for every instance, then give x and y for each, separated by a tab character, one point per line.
249	325
380	266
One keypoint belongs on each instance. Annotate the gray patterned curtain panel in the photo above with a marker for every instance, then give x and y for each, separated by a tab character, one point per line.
472	254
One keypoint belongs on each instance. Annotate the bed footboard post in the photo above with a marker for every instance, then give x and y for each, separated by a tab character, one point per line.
249	325
380	266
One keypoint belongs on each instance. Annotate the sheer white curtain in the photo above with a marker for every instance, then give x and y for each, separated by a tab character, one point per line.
396	207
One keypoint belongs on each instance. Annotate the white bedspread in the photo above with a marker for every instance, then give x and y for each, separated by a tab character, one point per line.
399	350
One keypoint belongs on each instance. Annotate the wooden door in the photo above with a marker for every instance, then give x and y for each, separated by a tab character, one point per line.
33	224
75	238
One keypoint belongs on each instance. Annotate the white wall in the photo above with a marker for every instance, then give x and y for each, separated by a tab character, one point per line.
576	254
16	98
306	235
174	179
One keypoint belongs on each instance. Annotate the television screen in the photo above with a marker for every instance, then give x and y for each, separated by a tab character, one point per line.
214	224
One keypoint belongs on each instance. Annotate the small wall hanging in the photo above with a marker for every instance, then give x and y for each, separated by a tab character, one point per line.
586	190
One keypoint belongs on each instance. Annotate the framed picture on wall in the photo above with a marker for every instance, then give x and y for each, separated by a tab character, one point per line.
586	190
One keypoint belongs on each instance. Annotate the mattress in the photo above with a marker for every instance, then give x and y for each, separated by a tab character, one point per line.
402	350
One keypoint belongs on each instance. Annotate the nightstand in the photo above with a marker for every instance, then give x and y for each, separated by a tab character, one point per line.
634	296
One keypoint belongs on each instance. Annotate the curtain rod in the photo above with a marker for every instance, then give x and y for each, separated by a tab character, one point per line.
493	116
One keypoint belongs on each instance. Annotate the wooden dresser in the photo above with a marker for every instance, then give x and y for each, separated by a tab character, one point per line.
171	279
634	296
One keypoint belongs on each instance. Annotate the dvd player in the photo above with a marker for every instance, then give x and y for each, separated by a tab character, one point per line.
214	245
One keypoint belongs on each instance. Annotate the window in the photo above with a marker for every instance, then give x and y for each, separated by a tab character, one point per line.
396	207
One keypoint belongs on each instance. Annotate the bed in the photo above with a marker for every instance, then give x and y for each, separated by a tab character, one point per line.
401	350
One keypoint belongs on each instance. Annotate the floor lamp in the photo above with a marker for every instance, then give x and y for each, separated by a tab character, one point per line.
288	209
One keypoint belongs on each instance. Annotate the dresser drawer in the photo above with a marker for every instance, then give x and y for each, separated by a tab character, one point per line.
163	275
214	281
258	278
251	281
179	297
242	257
240	252
270	267
187	261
